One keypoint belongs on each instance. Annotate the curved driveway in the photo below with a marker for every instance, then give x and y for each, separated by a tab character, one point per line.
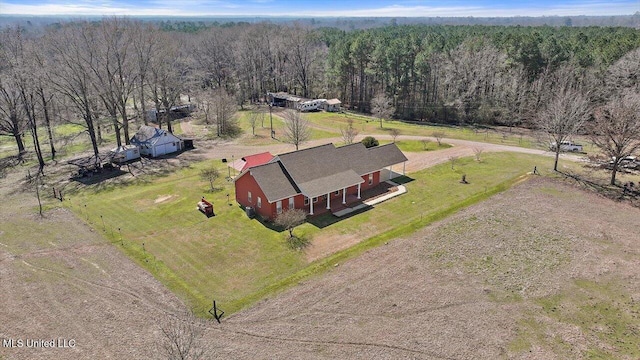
417	160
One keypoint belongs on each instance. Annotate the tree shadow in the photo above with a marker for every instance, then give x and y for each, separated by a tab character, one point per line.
297	242
614	192
327	219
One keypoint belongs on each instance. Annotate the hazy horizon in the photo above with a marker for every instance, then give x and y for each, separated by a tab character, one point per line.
329	8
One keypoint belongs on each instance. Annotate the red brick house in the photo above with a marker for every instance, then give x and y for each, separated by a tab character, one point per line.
314	178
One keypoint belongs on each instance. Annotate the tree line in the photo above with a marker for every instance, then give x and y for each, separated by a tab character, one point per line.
110	73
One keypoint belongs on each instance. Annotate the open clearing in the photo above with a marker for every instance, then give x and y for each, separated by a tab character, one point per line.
542	271
234	259
60	279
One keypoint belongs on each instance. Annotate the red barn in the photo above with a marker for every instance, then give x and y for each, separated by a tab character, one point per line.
314	178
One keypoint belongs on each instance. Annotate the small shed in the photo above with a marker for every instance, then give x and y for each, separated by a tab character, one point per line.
332	105
124	154
156	142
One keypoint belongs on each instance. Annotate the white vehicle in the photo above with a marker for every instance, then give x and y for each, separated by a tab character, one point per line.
567	146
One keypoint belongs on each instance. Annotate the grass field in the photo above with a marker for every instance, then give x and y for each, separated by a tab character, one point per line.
234	259
370	125
262	133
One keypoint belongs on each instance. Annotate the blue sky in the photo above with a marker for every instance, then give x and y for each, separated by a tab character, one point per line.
388	8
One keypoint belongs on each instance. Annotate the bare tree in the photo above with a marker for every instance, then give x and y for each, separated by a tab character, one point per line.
210	174
296	128
254	117
425	143
12	121
145	43
18	56
71	76
168	70
438	135
36	181
616	129
394	134
183	338
291	218
349	133
452	160
224	113
305	48
382	107
564	115
477	151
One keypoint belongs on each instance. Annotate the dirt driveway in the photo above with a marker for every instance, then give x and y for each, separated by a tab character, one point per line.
417	160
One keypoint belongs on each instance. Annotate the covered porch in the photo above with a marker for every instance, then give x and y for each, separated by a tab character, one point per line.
349	203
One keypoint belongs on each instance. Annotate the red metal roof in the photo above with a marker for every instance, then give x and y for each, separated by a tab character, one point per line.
256	159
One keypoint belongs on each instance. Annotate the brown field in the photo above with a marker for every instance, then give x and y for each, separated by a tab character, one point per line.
68	283
542	271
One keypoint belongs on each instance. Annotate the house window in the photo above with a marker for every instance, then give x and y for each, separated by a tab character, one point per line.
259	202
292	204
371	179
249	197
279	207
306	200
315	199
336	193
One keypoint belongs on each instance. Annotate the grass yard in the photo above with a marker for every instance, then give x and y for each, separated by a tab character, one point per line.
417	146
370	125
262	133
236	260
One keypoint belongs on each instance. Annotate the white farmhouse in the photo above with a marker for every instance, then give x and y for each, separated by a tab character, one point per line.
156	142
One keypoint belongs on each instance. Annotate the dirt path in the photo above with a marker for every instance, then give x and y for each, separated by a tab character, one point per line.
417	160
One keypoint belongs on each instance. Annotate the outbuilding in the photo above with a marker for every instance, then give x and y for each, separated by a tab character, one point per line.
332	105
125	153
156	142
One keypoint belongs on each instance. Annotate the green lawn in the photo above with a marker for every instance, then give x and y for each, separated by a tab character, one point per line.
369	125
417	146
237	260
262	133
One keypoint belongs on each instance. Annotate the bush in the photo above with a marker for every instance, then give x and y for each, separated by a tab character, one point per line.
370	141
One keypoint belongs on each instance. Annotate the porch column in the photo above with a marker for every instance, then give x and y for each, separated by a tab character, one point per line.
359	191
344	196
390	171
328	201
310	206
404	166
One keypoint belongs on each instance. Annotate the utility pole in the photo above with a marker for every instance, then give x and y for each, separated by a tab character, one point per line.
271	119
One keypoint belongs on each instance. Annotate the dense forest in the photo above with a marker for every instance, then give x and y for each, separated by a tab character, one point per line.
110	72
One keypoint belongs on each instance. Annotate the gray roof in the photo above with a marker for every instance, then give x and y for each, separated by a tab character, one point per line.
150	135
367	160
384	155
319	170
322	169
274	181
